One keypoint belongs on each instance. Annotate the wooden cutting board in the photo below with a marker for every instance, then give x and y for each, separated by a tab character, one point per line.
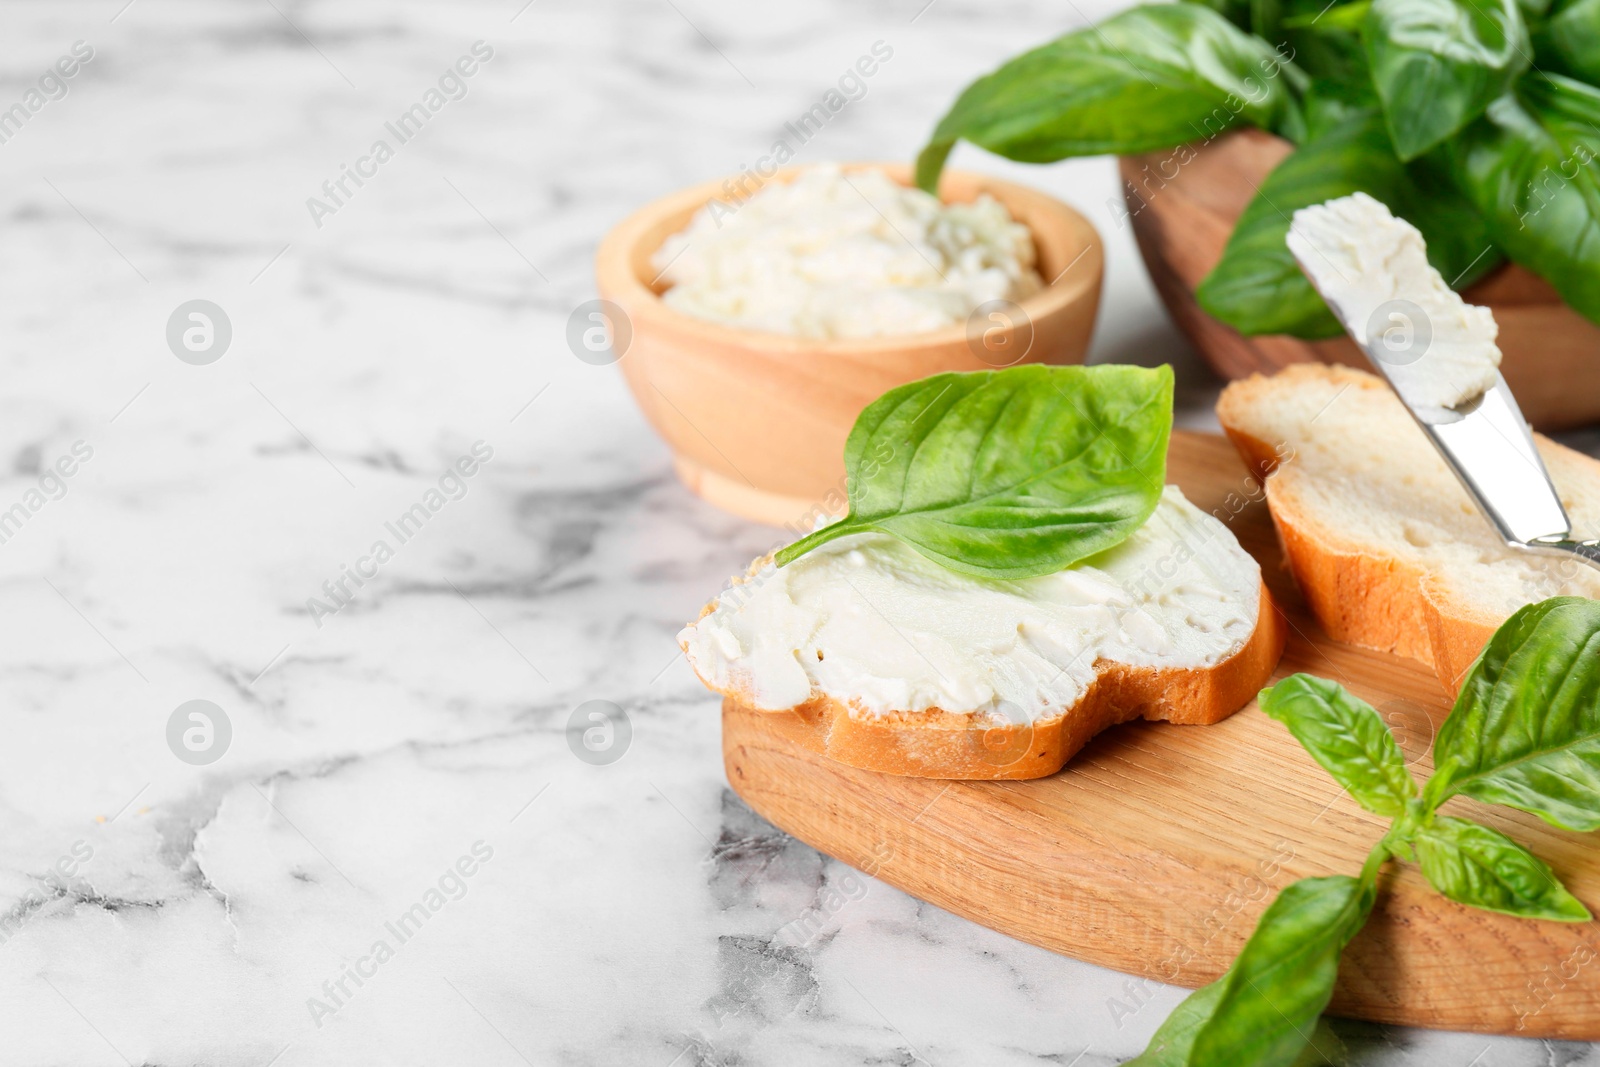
1156	849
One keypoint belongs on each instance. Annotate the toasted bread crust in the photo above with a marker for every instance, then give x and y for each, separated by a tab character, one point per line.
938	744
1360	598
1455	638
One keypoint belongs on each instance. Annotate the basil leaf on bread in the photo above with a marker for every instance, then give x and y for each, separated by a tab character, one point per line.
1012	473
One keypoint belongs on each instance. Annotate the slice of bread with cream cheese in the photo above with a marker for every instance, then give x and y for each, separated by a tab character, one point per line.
897	664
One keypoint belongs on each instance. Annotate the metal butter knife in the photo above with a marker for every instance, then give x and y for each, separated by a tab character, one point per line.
1488	445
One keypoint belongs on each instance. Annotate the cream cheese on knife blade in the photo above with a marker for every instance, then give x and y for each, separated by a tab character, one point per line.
1437	350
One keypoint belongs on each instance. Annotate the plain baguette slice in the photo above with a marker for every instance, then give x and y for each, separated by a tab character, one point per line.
1385	544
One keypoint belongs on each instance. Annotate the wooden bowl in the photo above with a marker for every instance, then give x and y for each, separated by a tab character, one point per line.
1552	354
757	421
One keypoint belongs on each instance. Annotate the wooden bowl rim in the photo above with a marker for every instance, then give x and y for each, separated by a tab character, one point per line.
620	247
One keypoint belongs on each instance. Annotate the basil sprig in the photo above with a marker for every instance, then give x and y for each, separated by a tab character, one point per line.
1011	473
1475	120
1524	732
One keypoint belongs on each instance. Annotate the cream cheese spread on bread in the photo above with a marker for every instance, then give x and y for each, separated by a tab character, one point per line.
870	622
1437	350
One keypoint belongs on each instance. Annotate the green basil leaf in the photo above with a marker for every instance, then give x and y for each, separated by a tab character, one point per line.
1275	991
1326	42
1346	736
1012	473
1569	43
1235	11
1332	103
1257	287
1173	1042
1528	165
1272	996
1472	864
1351	16
1266	19
1149	78
1525	731
1438	63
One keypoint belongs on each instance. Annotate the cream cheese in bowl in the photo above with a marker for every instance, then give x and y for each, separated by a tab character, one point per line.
836	254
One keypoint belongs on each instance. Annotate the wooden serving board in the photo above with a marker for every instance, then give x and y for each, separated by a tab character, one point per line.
1156	849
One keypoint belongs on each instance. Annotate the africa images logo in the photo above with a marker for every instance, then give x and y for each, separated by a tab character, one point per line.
52	86
451	485
452	86
452	884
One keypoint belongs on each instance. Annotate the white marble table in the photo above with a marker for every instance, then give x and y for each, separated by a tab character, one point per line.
397	859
